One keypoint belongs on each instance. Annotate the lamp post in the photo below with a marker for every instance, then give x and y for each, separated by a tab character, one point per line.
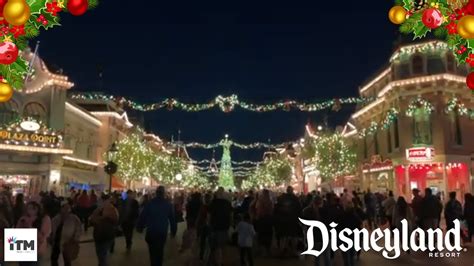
111	167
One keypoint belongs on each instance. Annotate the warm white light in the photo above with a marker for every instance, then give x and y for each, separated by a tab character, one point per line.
69	158
179	177
34	149
320	127
30	125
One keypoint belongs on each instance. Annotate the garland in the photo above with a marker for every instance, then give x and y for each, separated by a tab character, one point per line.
224	103
419	103
16	29
255	145
455	105
389	119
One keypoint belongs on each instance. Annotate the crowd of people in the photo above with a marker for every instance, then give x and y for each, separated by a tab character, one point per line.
257	223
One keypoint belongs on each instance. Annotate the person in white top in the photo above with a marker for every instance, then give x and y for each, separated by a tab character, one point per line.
246	233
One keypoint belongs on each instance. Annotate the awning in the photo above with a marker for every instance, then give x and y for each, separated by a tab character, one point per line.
117	183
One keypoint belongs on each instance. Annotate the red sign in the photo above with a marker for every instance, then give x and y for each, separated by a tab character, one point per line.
420	154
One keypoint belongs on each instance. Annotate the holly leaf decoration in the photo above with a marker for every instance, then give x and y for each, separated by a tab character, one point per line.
36	6
52	21
470	45
454	41
408	4
420	30
440	32
15	73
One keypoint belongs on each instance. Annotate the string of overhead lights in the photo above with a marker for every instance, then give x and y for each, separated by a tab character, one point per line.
225	104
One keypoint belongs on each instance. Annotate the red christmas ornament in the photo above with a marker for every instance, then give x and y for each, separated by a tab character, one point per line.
2	5
287	106
470	81
77	7
469	8
432	18
8	53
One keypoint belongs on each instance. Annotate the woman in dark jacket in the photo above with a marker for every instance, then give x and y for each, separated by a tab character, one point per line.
469	214
19	208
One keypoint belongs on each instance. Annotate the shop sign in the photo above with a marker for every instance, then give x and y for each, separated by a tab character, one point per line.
29	133
420	154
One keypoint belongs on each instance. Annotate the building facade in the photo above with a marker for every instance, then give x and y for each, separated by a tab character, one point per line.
416	132
32	132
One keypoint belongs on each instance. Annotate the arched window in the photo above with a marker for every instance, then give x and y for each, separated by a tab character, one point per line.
8	112
417	64
450	62
35	110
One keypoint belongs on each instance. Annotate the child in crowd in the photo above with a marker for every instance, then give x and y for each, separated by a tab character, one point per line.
246	233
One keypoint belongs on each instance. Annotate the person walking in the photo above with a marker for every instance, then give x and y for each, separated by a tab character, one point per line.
430	210
220	213
83	208
388	206
157	218
246	233
313	213
130	209
370	205
203	226
452	211
65	236
264	221
19	208
352	221
35	218
469	214
416	206
104	220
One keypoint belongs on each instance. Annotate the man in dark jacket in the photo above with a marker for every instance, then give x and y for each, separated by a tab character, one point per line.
129	217
452	211
156	217
313	212
220	211
431	208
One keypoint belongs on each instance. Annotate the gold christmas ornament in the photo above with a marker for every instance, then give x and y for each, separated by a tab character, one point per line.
6	91
466	27
397	15
16	12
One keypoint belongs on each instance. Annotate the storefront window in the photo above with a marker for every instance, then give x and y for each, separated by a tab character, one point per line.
8	112
395	130
422	127
389	141
376	143
457	130
365	148
417	64
36	111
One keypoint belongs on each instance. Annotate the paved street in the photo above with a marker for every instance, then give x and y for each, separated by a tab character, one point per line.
139	256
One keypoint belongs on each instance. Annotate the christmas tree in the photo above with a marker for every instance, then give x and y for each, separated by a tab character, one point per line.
226	177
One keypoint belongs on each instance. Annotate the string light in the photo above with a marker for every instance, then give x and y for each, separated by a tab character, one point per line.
455	105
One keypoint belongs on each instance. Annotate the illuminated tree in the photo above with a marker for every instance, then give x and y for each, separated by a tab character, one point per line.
272	172
226	176
334	156
134	158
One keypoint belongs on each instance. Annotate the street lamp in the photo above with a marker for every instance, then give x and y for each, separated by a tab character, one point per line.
111	167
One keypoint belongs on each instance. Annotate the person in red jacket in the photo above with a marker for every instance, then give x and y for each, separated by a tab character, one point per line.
83	208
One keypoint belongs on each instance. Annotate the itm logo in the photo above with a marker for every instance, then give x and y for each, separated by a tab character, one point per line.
21	244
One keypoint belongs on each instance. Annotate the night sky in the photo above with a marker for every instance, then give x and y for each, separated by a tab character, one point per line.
264	51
